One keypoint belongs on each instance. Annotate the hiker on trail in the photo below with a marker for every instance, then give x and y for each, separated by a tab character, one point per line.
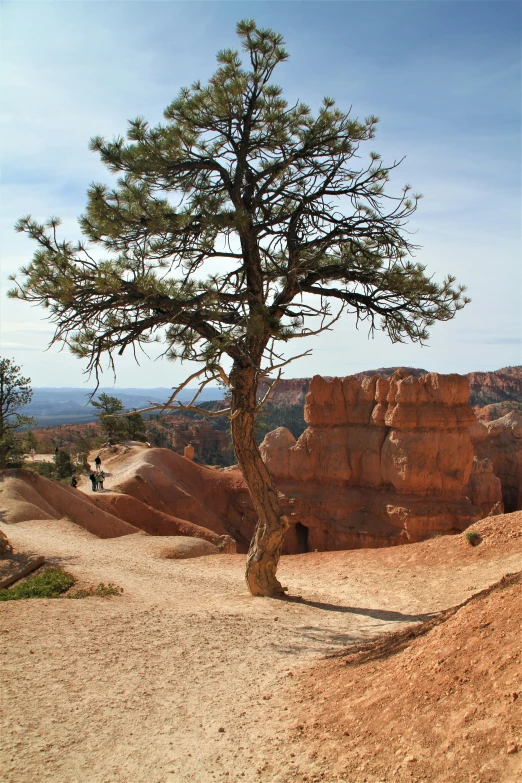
97	462
93	481
99	479
56	451
32	453
74	482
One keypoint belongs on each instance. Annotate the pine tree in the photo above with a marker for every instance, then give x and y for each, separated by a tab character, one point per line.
136	429
112	425
63	465
239	224
30	441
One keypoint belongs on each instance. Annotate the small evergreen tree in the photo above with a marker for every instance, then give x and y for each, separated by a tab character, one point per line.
83	447
112	425
136	428
238	225
15	392
30	441
63	465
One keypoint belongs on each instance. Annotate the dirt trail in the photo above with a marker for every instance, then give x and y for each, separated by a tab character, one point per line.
136	688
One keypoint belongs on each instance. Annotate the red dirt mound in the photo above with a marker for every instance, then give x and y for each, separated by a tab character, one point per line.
441	703
183	548
207	497
26	495
146	518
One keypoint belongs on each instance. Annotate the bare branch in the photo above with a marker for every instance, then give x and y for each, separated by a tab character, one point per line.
269	392
181	387
283	364
180	407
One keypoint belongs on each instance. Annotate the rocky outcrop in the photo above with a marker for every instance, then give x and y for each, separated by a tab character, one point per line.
494	387
386	372
383	461
288	391
497	409
484	488
500	441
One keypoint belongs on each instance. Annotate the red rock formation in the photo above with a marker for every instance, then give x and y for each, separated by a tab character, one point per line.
383	461
497	386
486	387
496	410
500	441
386	372
28	496
288	391
484	488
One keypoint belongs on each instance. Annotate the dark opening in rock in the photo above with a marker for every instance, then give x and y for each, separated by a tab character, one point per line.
301	532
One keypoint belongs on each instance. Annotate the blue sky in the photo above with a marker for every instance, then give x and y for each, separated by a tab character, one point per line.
444	78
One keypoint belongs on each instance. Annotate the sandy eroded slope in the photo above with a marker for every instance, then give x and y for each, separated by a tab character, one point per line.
136	688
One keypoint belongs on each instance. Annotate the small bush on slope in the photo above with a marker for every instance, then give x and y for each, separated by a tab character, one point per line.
473	538
51	583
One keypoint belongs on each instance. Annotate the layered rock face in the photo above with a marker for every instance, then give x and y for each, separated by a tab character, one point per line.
383	461
485	488
500	442
497	386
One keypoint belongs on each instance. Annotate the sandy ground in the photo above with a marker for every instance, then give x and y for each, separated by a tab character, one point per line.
186	677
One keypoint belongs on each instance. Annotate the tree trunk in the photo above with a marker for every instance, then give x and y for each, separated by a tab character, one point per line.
265	547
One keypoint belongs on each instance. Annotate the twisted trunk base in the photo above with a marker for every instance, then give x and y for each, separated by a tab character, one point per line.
265	547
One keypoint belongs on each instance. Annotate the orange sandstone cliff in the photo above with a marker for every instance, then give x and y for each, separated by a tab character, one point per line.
382	462
500	442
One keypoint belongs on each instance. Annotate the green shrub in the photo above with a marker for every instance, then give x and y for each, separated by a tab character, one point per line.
53	582
473	537
46	469
50	583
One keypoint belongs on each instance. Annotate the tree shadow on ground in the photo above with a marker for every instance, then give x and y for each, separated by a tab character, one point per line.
61	561
376	614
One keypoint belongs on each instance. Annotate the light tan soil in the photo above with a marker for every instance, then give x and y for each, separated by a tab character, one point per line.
135	688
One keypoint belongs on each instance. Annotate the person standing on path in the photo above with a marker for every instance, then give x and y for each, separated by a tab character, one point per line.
97	462
93	481
74	482
99	479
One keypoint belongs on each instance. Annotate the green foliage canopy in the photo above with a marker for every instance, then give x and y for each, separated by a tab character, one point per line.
63	465
113	426
239	222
